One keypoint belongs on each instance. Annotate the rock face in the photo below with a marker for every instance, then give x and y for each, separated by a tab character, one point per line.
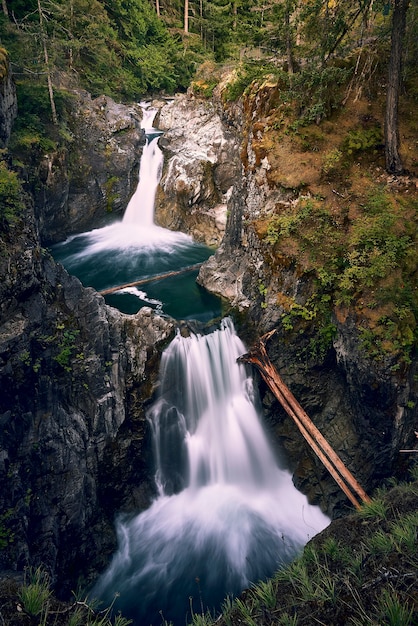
200	169
75	376
8	102
360	405
93	177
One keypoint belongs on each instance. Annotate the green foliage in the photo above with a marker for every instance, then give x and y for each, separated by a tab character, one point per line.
376	508
380	543
11	194
414	472
326	25
361	140
290	221
320	344
32	131
374	258
205	79
263	292
288	620
332	162
36	598
6	533
375	246
265	593
35	592
298	312
405	534
110	194
67	347
315	93
245	74
392	610
121	48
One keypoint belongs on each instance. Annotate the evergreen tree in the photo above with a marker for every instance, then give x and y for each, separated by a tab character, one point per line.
393	158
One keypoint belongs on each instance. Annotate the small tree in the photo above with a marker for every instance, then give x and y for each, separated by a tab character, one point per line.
48	70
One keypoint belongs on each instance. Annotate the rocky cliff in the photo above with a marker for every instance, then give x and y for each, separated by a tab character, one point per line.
91	177
75	376
365	406
200	169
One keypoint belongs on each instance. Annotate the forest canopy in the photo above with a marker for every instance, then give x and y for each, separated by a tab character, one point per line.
118	47
127	48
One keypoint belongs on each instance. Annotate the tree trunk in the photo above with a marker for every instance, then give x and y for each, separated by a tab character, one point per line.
393	158
48	72
151	279
157	7
258	356
289	41
186	16
5	9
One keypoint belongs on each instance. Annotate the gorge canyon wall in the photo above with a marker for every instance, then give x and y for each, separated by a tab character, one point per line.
76	375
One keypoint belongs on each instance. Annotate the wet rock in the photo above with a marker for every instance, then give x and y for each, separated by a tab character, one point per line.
75	376
90	180
200	169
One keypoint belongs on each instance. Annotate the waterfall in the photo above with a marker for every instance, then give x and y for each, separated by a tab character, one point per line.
140	209
134	247
226	515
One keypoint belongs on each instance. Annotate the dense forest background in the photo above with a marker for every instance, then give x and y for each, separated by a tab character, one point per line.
130	47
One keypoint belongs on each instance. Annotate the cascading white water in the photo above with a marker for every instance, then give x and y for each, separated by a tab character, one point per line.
137	228
140	209
148	116
227	515
144	196
135	248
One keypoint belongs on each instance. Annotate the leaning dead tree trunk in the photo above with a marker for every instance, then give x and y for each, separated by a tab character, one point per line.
258	356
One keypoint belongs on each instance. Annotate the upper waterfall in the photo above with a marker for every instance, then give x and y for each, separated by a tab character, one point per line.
140	209
135	248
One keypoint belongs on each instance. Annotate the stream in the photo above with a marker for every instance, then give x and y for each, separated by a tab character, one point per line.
227	513
135	248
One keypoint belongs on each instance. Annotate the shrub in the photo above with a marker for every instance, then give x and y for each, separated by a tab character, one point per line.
11	203
35	592
361	140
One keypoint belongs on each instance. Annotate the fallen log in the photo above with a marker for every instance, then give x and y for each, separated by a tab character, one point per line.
149	279
258	356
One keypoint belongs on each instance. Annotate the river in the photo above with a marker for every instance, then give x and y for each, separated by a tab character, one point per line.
227	513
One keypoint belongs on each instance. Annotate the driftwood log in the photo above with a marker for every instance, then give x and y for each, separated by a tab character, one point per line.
258	356
150	279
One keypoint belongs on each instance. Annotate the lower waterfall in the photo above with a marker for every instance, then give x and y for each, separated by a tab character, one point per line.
227	515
